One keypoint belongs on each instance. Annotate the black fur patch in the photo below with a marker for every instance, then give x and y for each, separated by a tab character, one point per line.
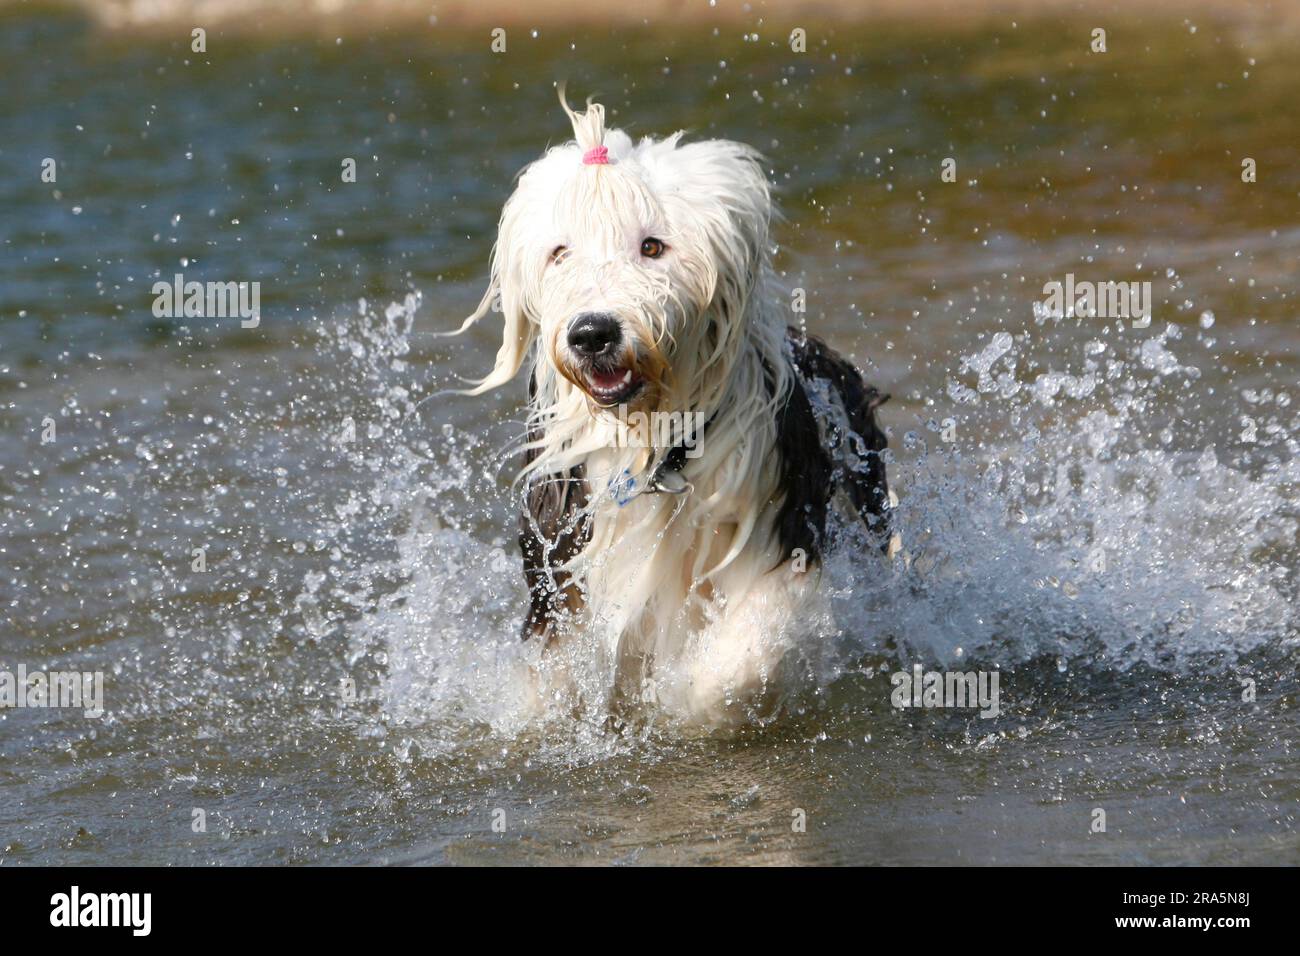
809	478
553	528
805	471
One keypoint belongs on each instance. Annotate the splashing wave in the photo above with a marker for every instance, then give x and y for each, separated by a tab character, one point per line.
1075	529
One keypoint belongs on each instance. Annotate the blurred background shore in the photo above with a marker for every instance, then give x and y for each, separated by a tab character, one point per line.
353	15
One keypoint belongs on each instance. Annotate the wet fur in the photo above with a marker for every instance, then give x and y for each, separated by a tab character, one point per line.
684	602
554	527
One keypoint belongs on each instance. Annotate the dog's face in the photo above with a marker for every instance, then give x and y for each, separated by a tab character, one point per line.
631	265
618	279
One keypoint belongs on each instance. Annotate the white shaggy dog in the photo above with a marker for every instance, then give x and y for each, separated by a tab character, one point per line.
635	281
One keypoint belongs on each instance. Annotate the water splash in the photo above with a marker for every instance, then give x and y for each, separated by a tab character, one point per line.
1075	528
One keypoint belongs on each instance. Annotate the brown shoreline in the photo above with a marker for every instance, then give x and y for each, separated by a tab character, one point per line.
352	16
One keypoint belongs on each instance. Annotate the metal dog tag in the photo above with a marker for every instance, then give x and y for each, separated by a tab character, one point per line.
671	482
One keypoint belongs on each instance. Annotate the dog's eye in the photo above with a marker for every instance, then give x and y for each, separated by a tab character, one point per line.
558	254
653	248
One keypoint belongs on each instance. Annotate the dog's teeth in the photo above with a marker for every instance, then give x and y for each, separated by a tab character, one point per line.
626	378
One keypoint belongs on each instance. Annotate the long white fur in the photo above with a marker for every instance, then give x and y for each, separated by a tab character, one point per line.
685	602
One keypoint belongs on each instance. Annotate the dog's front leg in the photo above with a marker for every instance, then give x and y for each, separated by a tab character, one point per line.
731	667
553	529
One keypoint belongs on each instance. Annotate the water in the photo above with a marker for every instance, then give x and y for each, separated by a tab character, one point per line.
1113	525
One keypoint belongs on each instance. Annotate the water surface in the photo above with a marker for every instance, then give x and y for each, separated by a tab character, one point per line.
389	560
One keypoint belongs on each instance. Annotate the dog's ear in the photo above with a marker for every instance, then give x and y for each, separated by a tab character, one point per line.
513	274
506	294
716	197
727	188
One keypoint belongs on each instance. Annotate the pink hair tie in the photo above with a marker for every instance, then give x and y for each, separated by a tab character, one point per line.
596	156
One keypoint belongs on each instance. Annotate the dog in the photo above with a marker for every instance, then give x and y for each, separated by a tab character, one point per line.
636	285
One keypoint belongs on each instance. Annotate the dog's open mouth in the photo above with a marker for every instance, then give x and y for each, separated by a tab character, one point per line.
613	386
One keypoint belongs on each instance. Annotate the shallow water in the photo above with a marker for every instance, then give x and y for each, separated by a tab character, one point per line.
1113	525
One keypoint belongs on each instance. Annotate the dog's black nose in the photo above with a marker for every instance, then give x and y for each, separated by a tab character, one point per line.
594	333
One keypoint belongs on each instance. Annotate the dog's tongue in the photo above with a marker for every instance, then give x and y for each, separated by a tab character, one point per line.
609	379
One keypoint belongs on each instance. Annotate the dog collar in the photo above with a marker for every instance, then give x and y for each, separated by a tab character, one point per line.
666	478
